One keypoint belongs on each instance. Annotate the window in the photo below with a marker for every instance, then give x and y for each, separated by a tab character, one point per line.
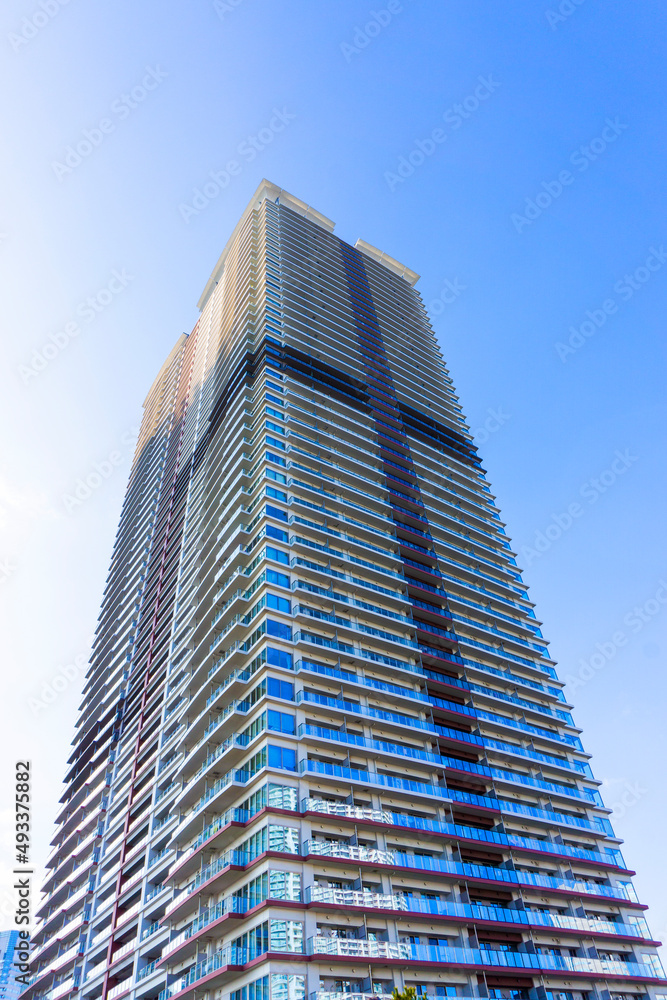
286	935
278	630
275	511
256	763
280	689
280	722
276	494
276	476
274	399
276	533
270	457
258	990
287	987
654	962
252	944
281	557
274	442
284	839
284	885
283	797
277	603
274	413
283	757
279	579
279	658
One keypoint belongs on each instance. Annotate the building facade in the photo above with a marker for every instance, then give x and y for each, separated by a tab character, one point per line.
323	751
9	988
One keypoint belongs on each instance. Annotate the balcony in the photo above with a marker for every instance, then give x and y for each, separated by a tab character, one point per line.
524	727
587	796
596	825
62	989
459	869
147	970
228	956
325	995
126	914
479	958
514	750
351	948
392	750
464	911
230	904
120	988
399	784
531	706
369	682
347	707
336	575
126	949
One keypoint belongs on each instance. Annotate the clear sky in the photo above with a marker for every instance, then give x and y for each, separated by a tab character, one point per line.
510	152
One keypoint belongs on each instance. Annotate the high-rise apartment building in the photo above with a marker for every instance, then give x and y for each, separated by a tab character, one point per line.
323	751
9	942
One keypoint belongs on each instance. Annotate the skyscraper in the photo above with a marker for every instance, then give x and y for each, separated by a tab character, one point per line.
322	749
9	988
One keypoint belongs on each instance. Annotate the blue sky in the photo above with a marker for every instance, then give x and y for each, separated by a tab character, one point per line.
510	153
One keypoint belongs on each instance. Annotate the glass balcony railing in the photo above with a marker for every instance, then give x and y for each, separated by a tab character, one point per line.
230	904
471	911
460	869
453	706
409	721
345	647
336	575
369	682
394	749
331	595
596	824
480	958
402	784
551	734
522	702
586	796
441	654
606	857
494	630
